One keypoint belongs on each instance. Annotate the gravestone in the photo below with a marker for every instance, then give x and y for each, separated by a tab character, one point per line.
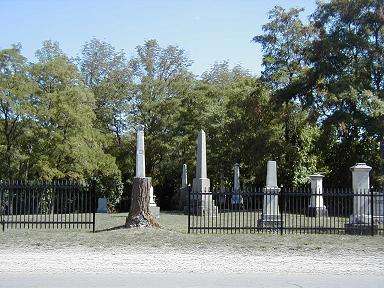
236	197
360	222
202	201
102	205
140	153
271	215
316	206
378	207
141	213
184	190
155	210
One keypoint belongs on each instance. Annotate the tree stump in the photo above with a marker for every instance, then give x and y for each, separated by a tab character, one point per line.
139	214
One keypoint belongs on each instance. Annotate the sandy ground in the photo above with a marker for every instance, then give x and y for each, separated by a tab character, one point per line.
169	257
84	267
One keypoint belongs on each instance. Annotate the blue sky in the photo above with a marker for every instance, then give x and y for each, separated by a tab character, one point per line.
209	31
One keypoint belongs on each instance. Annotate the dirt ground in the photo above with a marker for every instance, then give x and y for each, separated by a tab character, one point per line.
171	250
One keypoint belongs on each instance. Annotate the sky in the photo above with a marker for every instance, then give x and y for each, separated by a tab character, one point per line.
208	31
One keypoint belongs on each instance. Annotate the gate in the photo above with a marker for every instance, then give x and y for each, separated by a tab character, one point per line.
50	205
284	211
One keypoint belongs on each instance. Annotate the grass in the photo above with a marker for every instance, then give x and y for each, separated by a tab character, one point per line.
173	235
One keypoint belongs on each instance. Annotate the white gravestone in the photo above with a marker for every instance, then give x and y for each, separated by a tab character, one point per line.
140	169
316	206
271	215
102	205
140	153
184	191
202	201
360	222
236	197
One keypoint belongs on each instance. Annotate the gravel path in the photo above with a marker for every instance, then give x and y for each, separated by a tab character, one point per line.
176	261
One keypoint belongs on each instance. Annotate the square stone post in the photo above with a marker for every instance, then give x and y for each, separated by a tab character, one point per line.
236	197
360	222
202	197
184	190
271	215
316	206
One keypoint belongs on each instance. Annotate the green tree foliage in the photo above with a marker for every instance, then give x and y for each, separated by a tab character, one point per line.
317	107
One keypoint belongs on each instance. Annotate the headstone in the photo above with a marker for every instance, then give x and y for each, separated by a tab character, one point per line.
316	206
378	206
202	197
155	210
184	190
184	177
102	205
140	153
236	197
271	215
360	222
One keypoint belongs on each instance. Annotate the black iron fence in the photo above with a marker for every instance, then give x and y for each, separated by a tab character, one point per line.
56	204
284	210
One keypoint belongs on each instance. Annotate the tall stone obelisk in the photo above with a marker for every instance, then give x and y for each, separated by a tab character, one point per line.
236	197
184	190
140	152
271	215
141	213
202	196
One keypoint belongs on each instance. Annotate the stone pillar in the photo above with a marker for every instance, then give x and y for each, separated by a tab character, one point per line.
316	206
202	200
184	177
155	210
271	215
184	190
140	169
236	197
140	154
360	222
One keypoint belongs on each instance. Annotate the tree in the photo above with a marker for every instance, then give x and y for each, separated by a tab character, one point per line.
15	91
66	144
109	76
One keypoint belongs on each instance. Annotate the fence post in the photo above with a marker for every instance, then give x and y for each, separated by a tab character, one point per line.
94	206
2	205
189	211
282	212
372	218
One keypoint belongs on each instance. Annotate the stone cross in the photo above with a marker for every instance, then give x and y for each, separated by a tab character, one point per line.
316	206
140	154
184	177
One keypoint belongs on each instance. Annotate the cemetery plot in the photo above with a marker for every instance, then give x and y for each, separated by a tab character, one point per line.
285	211
57	204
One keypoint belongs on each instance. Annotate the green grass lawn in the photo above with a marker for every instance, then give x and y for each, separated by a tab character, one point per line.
173	235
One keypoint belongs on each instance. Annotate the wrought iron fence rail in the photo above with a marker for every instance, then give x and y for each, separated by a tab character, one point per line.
39	204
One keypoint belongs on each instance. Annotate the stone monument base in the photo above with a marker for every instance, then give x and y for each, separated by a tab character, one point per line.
155	211
317	212
360	229
270	221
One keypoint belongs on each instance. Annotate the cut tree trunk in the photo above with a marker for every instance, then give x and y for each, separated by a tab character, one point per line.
139	214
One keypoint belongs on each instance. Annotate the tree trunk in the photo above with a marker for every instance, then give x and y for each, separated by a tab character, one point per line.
139	214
